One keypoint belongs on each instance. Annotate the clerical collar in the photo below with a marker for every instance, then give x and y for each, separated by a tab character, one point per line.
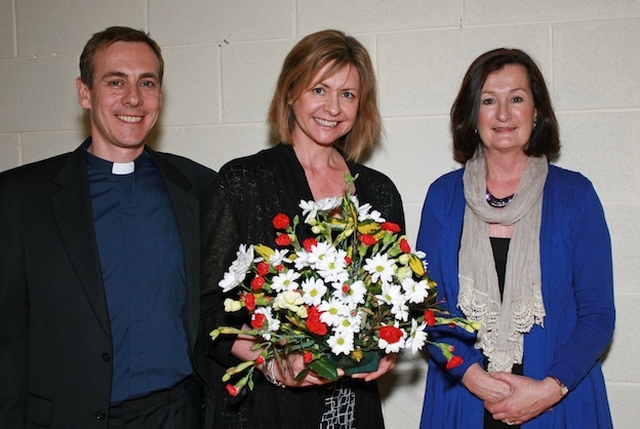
115	168
121	168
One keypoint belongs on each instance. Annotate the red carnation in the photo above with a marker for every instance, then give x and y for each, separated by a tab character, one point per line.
429	318
307	357
232	390
314	325
257	283
308	244
404	245
279	268
454	362
367	239
348	260
258	320
391	227
390	334
259	360
317	327
263	268
249	301
281	221
283	240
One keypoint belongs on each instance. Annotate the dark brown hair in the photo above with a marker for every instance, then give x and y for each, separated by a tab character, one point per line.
300	66
106	38
544	139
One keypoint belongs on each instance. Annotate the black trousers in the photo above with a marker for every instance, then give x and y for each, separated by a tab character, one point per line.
177	408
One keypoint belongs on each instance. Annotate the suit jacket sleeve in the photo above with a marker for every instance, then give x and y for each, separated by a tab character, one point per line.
13	321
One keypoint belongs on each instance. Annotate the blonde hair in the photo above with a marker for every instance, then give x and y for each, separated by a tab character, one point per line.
302	64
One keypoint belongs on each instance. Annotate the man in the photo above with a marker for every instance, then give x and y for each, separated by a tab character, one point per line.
99	263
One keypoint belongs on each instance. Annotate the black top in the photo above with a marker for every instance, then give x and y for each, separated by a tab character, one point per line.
500	247
250	192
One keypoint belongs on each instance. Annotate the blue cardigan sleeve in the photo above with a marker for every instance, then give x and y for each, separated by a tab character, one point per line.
591	282
439	237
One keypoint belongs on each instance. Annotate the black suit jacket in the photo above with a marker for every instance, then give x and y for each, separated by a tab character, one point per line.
55	337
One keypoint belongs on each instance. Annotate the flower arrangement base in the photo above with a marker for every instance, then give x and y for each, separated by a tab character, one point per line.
368	363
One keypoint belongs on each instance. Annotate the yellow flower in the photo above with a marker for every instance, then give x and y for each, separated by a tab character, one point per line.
416	265
265	252
231	306
291	301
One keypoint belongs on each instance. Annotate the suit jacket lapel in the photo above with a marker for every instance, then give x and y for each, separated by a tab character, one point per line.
73	214
187	211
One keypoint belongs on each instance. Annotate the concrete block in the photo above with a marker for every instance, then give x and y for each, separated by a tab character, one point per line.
206	21
64	26
41	93
191	89
375	16
420	73
596	64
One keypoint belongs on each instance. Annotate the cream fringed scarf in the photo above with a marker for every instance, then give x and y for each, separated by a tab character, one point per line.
503	323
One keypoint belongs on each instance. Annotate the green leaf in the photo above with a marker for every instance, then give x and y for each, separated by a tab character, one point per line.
324	368
302	374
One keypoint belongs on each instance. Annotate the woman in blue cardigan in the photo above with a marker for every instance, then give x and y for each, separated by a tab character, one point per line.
523	247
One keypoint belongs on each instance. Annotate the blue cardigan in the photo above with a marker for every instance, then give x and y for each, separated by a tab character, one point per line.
577	286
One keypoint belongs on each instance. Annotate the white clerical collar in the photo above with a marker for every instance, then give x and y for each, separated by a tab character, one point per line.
121	168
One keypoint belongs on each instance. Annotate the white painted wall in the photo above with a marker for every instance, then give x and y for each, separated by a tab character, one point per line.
223	57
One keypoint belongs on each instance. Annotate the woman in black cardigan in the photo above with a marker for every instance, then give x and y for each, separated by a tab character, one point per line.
324	112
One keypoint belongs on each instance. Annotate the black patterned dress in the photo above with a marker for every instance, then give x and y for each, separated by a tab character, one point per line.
250	192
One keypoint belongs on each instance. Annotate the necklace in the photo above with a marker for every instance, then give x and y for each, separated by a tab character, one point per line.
498	202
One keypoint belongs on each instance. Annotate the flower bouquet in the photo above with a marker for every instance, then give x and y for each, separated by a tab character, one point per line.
341	298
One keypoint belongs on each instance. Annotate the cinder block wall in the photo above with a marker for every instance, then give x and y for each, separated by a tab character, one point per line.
223	57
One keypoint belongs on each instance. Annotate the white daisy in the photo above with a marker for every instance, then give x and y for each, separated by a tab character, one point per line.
302	260
390	294
333	311
244	259
366	212
238	269
333	267
285	280
230	281
417	337
352	322
416	292
353	293
310	208
381	268
279	257
313	291
341	342
399	308
321	254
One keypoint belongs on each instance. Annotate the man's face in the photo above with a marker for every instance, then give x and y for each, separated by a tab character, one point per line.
124	101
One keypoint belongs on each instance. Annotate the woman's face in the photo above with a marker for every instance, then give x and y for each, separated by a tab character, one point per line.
328	109
507	110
